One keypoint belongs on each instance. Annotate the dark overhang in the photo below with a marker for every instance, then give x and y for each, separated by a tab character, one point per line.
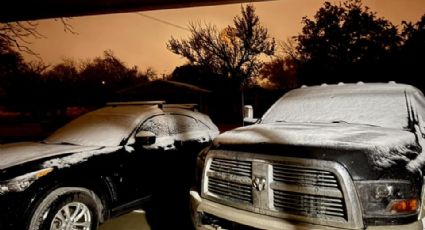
21	10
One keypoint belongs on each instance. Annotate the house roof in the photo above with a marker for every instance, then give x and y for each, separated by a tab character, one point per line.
170	91
163	86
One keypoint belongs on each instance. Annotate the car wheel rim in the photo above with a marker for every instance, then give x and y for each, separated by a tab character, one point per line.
73	216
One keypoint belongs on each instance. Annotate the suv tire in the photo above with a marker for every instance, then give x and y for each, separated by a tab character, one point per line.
67	207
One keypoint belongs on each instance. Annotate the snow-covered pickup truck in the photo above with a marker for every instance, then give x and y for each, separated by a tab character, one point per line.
346	156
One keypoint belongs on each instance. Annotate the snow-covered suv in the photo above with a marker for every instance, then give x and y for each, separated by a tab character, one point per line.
105	163
346	156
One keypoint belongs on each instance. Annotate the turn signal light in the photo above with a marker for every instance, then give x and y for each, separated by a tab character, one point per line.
404	206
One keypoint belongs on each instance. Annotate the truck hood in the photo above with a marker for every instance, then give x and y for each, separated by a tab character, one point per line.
384	147
18	153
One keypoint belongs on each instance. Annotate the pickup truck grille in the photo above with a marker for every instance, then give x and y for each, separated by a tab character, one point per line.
234	167
309	205
307	190
303	176
230	189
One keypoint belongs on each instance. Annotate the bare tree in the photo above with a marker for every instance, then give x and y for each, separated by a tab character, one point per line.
234	52
17	34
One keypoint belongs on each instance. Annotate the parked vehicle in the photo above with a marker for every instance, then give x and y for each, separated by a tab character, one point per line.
100	165
346	156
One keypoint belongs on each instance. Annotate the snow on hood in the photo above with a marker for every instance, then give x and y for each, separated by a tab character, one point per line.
18	153
385	147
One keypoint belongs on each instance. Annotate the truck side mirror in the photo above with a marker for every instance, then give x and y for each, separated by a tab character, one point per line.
145	138
248	115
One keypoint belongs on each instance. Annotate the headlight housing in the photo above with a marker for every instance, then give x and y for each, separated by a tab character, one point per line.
388	198
20	183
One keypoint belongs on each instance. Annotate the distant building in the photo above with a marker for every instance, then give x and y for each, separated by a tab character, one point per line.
169	91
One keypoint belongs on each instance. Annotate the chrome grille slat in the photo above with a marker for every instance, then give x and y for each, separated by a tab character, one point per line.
308	205
305	176
301	211
311	177
328	202
231	190
234	167
230	195
242	190
233	162
299	169
306	183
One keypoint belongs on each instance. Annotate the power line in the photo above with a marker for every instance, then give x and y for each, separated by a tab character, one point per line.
163	21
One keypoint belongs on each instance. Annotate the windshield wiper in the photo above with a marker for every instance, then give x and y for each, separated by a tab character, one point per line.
340	121
58	143
345	122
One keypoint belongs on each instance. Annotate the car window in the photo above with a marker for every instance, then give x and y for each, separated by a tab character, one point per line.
94	129
182	124
157	124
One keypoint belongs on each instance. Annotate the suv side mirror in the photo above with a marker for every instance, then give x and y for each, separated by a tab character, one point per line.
145	138
248	115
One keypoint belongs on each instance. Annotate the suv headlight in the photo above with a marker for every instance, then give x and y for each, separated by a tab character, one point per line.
20	183
388	198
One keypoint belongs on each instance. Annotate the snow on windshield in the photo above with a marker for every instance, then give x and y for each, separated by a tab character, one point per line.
105	127
379	106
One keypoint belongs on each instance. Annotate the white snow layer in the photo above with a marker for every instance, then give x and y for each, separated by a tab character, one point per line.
78	157
385	147
111	125
104	127
18	153
382	105
167	142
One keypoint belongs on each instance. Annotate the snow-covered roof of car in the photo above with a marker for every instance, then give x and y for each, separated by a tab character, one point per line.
110	125
197	115
357	87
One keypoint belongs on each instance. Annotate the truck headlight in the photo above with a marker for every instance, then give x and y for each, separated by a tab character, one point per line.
20	183
388	198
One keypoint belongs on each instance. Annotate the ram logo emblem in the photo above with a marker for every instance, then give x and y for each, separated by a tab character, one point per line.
259	183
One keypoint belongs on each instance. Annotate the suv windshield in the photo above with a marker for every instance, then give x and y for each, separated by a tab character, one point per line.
383	107
95	130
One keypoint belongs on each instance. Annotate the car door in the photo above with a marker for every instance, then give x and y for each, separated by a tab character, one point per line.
142	165
190	136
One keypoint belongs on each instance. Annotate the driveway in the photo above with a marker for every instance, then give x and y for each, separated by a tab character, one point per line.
133	221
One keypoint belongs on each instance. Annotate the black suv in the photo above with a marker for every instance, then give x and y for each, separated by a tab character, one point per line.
102	164
347	156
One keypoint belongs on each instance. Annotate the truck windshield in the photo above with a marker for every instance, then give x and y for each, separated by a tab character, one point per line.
383	107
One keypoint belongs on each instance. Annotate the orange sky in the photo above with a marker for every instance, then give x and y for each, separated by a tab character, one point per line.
142	41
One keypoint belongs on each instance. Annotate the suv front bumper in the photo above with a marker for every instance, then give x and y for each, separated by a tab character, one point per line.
226	214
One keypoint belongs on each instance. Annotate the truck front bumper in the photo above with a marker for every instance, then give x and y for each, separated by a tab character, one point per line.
208	215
